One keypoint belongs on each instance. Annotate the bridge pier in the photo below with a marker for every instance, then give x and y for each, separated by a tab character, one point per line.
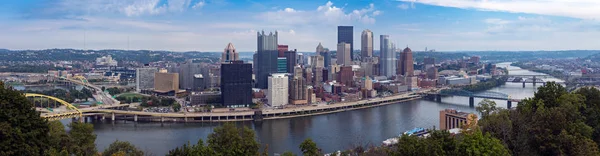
185	119
438	98
471	101
113	116
162	119
135	117
534	79
103	117
523	84
508	104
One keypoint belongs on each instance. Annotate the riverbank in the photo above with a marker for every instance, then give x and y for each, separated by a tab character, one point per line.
556	74
253	115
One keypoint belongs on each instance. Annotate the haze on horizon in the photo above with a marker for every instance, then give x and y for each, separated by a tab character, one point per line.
208	25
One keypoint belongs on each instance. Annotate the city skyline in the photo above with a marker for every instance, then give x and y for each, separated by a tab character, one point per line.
193	25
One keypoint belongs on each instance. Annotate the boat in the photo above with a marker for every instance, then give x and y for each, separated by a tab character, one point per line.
415	131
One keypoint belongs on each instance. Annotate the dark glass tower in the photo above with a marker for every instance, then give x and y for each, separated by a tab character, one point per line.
266	58
345	34
236	83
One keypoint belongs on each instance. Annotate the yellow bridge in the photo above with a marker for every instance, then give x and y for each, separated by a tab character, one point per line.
58	116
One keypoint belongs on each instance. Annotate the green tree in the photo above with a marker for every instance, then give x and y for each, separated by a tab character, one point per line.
83	138
22	130
58	137
229	140
288	153
122	146
476	143
309	148
486	107
176	107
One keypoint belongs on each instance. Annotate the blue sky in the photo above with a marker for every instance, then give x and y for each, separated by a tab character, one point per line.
208	25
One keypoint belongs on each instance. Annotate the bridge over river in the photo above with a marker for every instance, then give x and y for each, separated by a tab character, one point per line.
437	96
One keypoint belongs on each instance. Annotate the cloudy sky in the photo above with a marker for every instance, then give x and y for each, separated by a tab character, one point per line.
208	25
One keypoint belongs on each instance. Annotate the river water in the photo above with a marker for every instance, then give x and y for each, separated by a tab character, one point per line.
331	132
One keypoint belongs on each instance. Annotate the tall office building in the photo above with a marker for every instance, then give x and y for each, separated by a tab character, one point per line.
346	35
344	54
387	57
236	84
187	70
277	94
406	63
282	65
144	78
325	53
281	49
300	59
291	60
266	61
317	76
366	42
317	61
346	75
229	54
297	90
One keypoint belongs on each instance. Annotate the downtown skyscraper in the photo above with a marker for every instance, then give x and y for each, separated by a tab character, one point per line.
387	56
229	54
266	58
345	35
366	44
406	64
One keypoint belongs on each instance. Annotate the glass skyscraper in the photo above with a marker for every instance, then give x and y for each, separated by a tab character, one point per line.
266	61
236	84
345	34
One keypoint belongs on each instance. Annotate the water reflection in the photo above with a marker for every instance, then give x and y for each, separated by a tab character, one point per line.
331	132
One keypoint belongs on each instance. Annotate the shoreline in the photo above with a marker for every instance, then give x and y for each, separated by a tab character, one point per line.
257	115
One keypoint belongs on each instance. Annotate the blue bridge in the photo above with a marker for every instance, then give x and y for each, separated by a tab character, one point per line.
472	95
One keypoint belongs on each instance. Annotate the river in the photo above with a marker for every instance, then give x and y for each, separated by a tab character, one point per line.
331	132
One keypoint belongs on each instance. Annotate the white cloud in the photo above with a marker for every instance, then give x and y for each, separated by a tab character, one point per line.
377	13
524	25
198	5
403	6
292	32
496	21
126	7
582	9
144	7
327	13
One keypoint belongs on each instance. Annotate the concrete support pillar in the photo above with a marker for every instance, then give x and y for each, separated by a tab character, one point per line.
103	117
438	98
185	119
471	101
162	119
113	116
81	119
508	104
135	117
534	79
523	84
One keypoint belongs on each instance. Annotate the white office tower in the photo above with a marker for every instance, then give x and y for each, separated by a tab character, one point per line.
277	93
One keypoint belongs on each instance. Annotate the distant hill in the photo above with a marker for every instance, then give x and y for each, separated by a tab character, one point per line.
439	56
513	56
143	56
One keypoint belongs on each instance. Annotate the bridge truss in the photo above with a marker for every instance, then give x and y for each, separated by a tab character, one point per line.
73	111
484	94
